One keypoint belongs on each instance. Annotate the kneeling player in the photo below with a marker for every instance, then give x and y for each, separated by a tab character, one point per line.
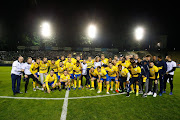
102	76
93	73
51	80
77	70
65	80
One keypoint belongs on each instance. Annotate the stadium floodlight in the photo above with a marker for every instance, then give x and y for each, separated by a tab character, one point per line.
45	29
139	33
92	31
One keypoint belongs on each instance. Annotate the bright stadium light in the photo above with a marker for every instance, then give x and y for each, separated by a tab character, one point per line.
139	33
45	29
92	31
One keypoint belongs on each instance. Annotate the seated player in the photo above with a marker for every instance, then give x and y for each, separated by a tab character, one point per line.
124	76
154	76
77	70
65	80
102	76
69	67
93	73
51	80
112	73
135	72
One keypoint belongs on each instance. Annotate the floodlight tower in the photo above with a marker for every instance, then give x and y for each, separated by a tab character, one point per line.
92	31
139	34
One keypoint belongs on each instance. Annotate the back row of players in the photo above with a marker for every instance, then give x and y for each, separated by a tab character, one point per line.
124	73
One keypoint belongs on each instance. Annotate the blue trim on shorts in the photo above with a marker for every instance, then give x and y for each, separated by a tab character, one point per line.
72	76
112	78
50	83
77	75
37	74
59	77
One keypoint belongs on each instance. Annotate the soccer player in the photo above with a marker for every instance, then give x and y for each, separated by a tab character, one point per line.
171	67
28	74
104	61
43	69
53	66
69	67
77	70
102	76
90	63
97	62
112	73
162	66
93	73
84	74
51	80
154	76
16	73
135	72
61	69
124	76
136	58
65	79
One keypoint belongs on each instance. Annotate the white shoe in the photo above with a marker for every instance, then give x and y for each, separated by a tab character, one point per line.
98	91
107	93
34	89
118	89
150	93
155	94
111	89
37	87
41	89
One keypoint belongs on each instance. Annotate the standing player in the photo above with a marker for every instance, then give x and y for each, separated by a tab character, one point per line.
93	73
171	67
102	76
69	67
77	70
135	71
43	69
61	69
65	79
154	76
90	63
162	66
51	80
97	62
84	74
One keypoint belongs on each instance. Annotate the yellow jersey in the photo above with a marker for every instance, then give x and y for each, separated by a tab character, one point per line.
135	71
43	68
90	63
124	72
116	65
53	66
77	69
50	79
61	70
58	61
94	73
103	73
72	60
119	62
105	61
34	68
152	71
65	77
69	67
112	71
126	64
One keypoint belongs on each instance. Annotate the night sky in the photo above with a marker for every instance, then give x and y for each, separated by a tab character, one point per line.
115	20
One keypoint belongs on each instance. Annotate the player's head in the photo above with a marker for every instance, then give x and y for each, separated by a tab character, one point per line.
78	57
89	58
132	60
20	59
136	56
29	60
123	59
154	58
102	56
121	56
151	64
168	57
110	65
110	59
127	57
53	61
69	55
139	60
61	63
134	64
115	57
92	69
45	60
114	61
51	72
130	56
62	57
37	60
65	72
120	67
77	63
148	57
84	61
58	57
159	58
69	59
99	69
97	58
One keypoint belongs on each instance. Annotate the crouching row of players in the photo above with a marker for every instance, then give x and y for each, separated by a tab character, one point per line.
123	78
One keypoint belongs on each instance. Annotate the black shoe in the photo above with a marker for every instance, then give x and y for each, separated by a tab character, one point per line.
14	93
59	89
25	91
127	95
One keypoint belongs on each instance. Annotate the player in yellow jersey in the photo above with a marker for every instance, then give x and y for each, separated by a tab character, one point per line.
77	70
78	59
109	60
113	73
53	66
124	76
65	80
135	72
43	69
34	69
51	80
61	69
90	63
116	63
93	73
69	67
63	61
154	76
104	60
102	76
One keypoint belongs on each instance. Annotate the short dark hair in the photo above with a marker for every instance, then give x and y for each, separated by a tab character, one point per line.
159	56
99	67
169	56
148	55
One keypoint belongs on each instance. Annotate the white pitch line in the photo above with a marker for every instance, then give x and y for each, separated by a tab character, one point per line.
39	98
65	105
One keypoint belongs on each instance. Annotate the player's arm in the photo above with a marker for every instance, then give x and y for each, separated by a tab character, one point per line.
46	82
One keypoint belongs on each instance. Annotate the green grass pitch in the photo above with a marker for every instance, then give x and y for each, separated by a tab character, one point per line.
116	107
